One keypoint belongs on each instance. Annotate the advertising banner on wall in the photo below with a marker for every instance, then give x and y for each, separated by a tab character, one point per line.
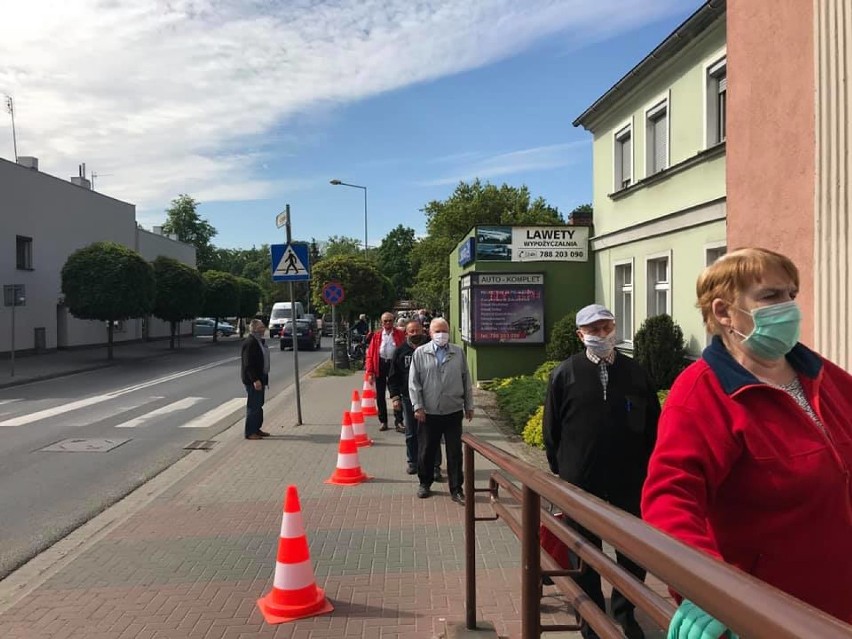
508	308
550	243
532	243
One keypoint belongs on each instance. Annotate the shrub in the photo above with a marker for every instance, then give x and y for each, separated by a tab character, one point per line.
563	339
543	371
533	434
519	398
658	345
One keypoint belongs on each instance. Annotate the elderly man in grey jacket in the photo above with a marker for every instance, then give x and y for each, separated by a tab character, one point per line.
441	395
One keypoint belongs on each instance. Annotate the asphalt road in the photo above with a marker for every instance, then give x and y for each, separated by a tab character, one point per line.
148	410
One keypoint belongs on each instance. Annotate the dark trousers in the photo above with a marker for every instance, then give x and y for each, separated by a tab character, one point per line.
411	450
590	582
254	408
429	435
382	390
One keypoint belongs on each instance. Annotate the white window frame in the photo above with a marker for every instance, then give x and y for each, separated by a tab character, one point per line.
711	66
625	127
651	286
712	246
662	102
616	303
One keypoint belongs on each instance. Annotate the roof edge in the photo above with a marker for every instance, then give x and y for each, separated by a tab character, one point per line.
676	41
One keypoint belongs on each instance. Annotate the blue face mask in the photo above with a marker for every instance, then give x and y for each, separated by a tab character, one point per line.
775	332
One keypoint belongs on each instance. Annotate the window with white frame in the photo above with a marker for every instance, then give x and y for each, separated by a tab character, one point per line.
624	301
713	253
624	158
717	97
659	285
24	253
657	138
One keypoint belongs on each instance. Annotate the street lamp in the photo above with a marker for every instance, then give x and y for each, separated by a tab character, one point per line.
356	186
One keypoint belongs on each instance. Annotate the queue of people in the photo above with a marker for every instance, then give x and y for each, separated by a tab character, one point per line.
749	461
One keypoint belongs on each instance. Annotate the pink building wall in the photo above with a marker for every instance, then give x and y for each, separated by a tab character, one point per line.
771	134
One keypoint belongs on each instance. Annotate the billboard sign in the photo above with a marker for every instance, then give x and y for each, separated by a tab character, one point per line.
466	251
508	308
550	243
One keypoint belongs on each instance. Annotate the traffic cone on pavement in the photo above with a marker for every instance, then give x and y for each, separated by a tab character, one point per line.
368	398
348	471
358	427
294	593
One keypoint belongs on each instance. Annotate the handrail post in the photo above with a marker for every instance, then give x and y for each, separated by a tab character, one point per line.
469	539
530	565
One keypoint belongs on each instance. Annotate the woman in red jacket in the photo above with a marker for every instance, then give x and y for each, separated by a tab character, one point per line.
754	450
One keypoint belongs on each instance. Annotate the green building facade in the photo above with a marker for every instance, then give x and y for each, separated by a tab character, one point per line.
508	286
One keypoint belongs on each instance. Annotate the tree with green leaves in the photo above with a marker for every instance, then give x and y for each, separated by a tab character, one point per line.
367	290
448	221
184	221
394	259
221	297
338	245
108	282
250	296
658	345
180	293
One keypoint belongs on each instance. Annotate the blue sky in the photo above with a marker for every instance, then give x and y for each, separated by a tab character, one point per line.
248	109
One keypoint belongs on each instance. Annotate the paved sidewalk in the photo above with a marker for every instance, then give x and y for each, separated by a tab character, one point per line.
193	561
32	367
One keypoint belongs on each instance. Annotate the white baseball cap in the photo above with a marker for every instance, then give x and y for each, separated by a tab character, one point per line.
592	313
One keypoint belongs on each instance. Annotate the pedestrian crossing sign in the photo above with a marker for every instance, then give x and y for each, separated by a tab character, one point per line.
290	262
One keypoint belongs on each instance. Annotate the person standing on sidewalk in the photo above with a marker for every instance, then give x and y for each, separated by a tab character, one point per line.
441	395
254	372
383	343
398	390
600	426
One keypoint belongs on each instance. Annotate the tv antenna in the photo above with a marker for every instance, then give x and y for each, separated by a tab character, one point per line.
97	175
10	107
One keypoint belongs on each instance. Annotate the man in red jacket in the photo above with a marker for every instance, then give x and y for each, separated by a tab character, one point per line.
383	343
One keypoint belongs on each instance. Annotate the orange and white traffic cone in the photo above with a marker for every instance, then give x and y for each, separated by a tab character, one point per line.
358	427
294	593
368	398
348	471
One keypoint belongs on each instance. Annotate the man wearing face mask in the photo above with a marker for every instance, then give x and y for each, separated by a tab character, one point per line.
441	395
600	426
254	372
398	390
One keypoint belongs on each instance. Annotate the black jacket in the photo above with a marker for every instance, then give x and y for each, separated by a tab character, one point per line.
251	366
399	367
602	446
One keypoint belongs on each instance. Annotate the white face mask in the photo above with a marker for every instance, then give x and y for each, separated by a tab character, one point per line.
600	346
441	339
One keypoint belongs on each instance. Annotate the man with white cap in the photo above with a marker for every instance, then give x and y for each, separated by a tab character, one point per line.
600	426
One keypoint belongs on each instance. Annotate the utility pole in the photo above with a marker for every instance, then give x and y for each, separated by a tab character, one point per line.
10	107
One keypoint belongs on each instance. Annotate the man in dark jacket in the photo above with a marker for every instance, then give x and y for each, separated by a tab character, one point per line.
600	426
254	372
398	390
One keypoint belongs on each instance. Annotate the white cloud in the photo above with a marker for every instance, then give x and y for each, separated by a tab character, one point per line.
172	96
540	158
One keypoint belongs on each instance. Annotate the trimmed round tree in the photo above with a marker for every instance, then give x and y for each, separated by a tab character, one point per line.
180	293
250	294
221	297
108	282
367	290
563	339
658	345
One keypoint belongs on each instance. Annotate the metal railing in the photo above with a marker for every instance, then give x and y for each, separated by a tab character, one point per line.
748	606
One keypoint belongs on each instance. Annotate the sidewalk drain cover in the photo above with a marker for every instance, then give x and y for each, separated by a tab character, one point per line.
200	444
84	445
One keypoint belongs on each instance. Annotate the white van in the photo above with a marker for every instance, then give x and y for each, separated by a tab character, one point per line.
282	312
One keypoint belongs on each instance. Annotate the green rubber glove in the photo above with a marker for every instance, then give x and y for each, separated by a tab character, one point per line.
691	622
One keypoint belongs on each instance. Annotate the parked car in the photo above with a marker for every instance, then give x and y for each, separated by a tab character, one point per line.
327	326
203	326
306	332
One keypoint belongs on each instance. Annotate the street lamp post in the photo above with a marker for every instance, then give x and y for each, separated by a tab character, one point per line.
364	188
